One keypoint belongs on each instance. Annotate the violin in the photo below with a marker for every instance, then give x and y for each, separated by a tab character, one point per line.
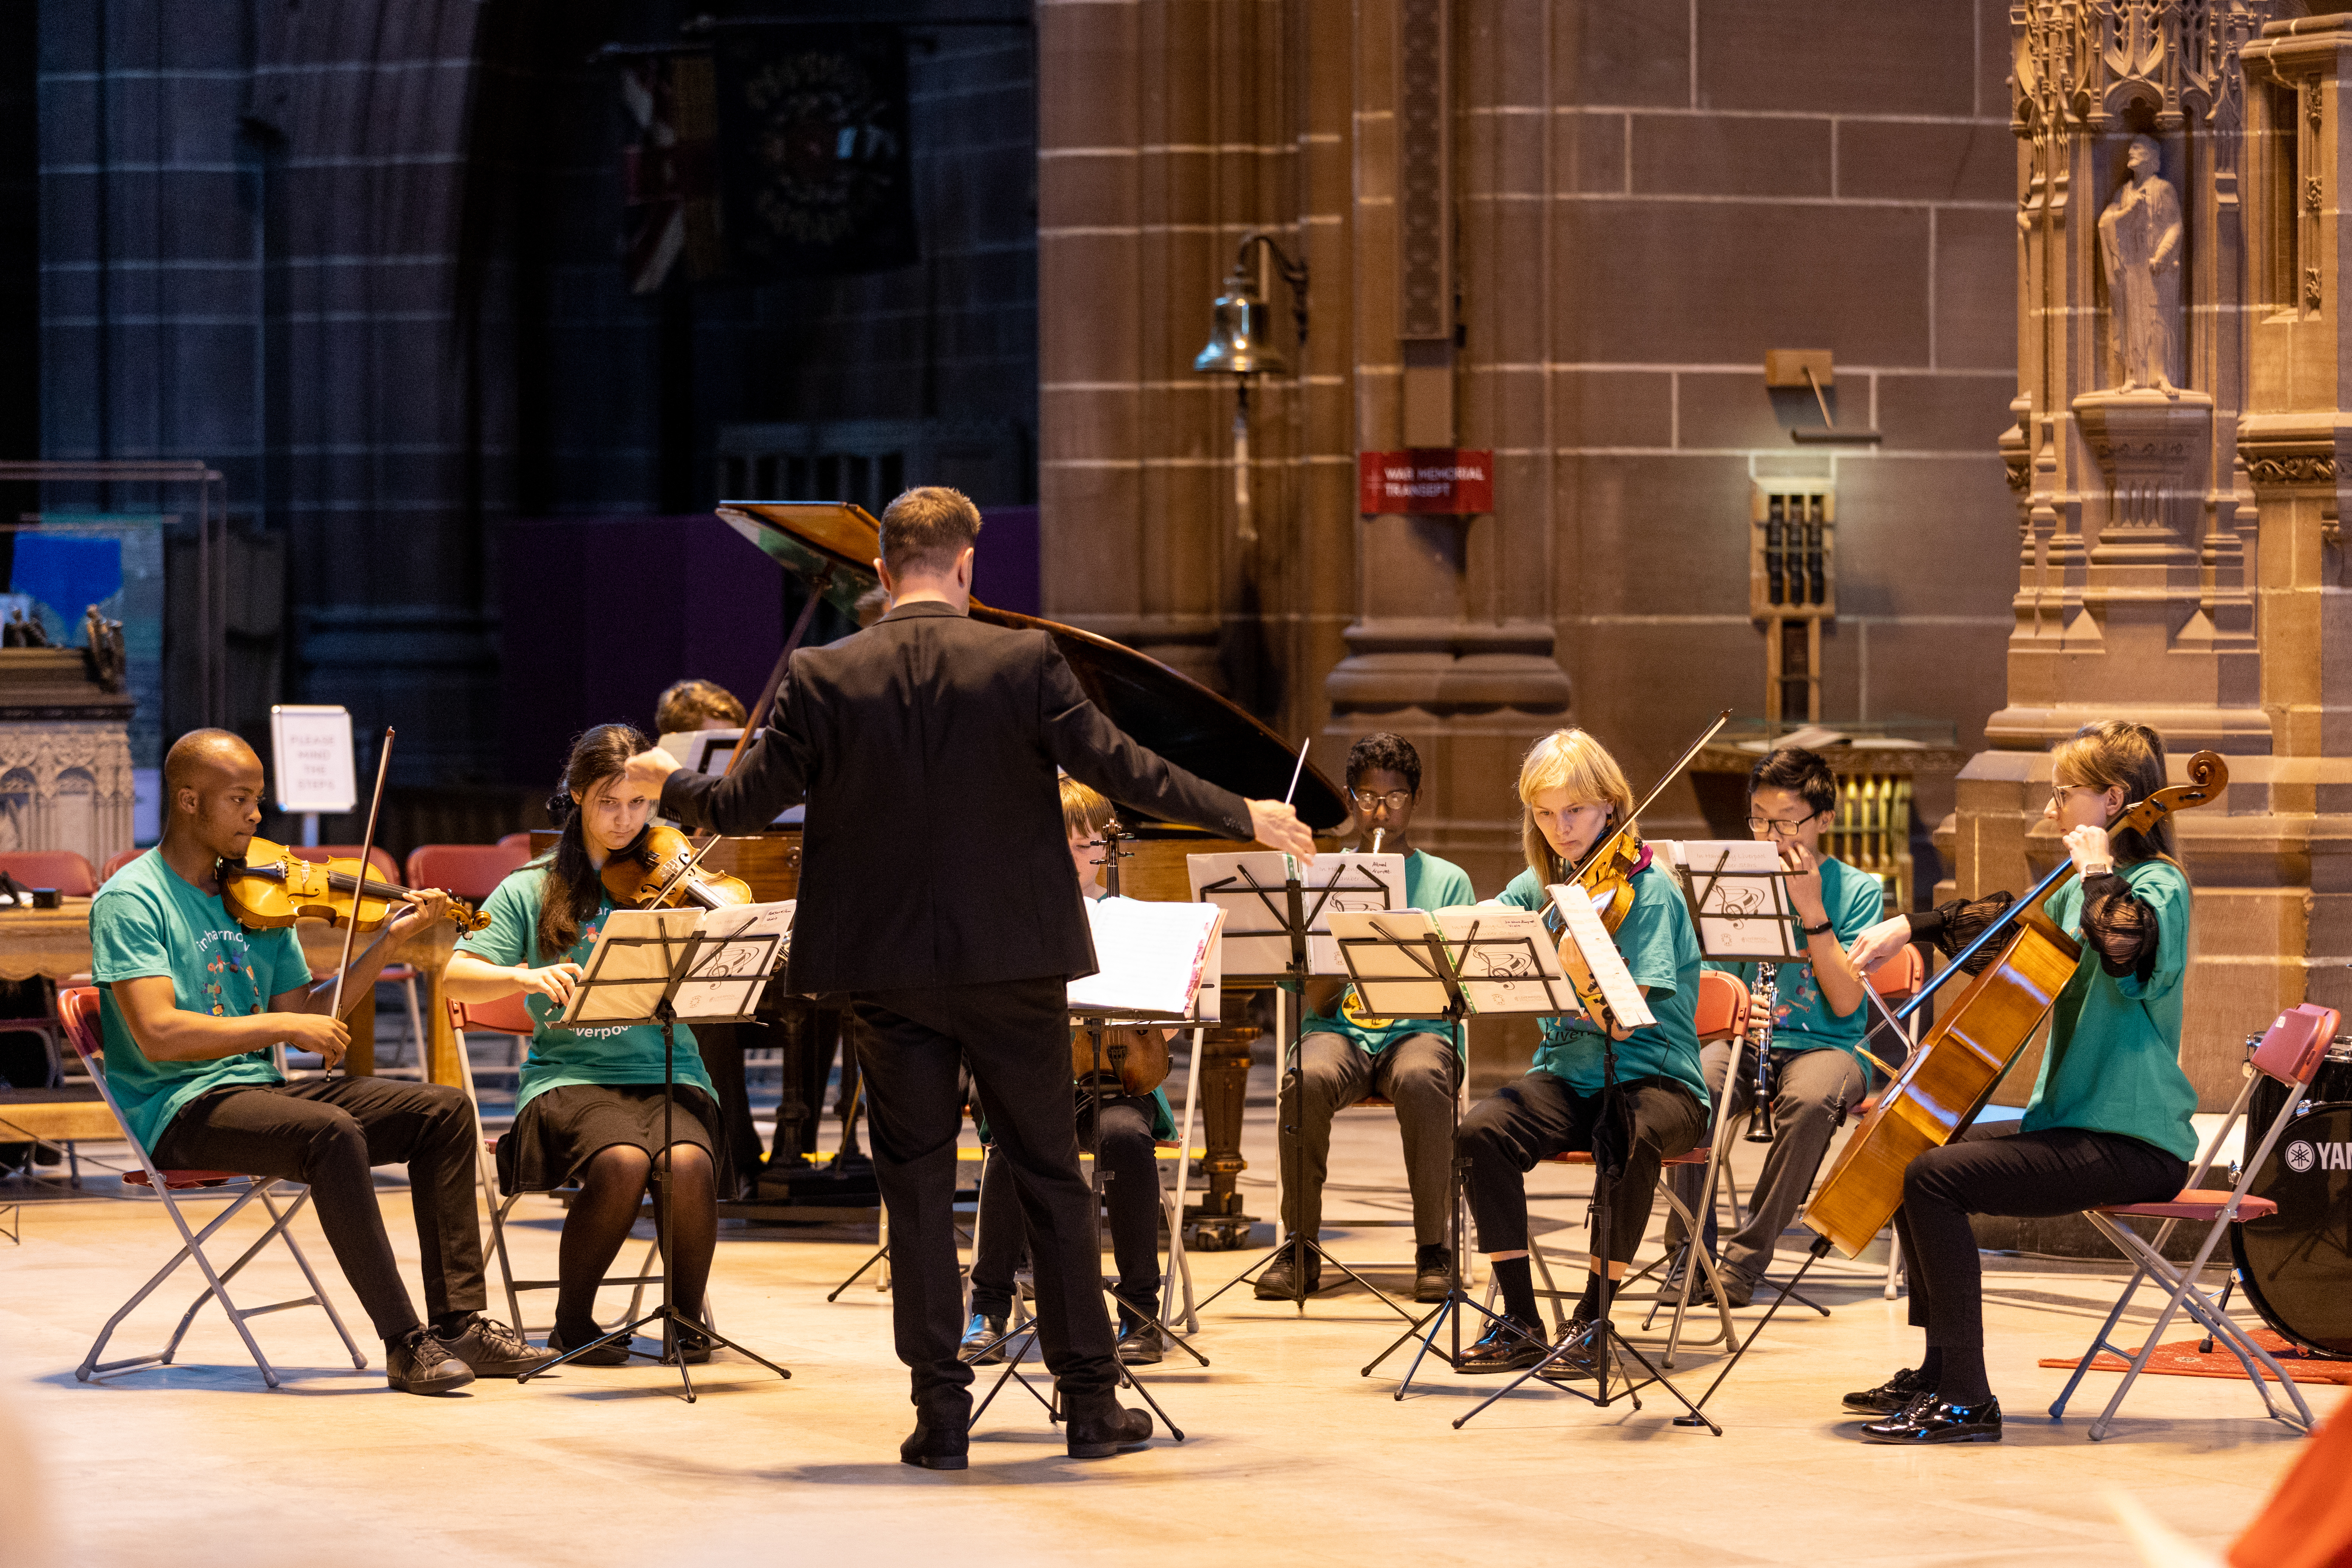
273	887
660	870
1134	1060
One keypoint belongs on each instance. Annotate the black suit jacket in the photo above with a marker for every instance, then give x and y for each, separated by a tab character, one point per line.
933	852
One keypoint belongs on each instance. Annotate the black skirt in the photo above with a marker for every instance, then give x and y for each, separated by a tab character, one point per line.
562	1130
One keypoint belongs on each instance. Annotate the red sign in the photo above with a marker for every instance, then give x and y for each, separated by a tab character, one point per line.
1426	479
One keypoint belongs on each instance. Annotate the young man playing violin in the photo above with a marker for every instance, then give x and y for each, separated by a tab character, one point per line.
1575	795
191	1003
1818	1020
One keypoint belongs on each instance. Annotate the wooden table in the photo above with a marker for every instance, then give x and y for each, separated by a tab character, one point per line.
56	943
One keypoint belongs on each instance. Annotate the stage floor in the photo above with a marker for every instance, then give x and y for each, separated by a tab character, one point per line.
1291	1456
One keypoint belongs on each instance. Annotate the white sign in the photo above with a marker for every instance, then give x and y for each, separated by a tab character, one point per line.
311	758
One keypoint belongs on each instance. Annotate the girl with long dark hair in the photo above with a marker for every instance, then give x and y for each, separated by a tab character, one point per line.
590	1105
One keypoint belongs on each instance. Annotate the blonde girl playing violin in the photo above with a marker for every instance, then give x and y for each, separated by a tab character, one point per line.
590	1106
1574	795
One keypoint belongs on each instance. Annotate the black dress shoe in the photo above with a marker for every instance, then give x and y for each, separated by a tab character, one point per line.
423	1364
1277	1282
945	1447
1889	1398
1930	1420
1512	1344
1140	1344
1102	1432
612	1353
493	1350
692	1347
1576	1357
1432	1273
979	1336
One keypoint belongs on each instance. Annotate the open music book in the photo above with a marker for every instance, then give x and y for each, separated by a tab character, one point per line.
1156	961
1502	958
1594	945
637	953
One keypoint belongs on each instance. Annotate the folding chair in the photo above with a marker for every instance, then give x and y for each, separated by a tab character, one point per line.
2289	1052
507	1015
472	872
78	1009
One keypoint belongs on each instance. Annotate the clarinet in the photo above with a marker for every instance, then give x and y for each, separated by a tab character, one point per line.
1759	1036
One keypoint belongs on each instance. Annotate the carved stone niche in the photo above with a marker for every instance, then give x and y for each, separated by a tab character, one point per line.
65	756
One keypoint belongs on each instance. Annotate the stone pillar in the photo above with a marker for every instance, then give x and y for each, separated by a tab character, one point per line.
2140	507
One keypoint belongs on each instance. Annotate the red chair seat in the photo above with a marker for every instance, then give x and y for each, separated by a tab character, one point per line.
1694	1156
176	1180
2197	1203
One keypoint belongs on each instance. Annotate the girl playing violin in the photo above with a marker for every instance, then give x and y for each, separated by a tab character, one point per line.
1575	795
2108	1121
590	1106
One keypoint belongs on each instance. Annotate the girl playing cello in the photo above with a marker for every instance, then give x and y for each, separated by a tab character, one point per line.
2109	1122
590	1107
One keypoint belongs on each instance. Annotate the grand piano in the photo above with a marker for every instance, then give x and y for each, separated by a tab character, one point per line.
830	546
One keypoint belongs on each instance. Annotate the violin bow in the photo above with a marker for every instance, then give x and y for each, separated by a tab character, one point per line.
367	849
1651	799
758	713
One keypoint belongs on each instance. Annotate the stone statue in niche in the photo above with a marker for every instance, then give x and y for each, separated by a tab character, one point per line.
2139	250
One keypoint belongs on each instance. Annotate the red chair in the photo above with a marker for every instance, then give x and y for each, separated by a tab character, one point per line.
380	864
77	1007
516	841
2289	1052
66	870
115	863
469	871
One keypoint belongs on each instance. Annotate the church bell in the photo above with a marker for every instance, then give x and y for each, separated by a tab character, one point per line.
1238	343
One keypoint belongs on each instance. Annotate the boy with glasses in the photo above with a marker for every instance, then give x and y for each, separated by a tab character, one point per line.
1818	1023
1345	1055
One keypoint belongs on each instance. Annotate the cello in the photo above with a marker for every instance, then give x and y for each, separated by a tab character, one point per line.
1951	1076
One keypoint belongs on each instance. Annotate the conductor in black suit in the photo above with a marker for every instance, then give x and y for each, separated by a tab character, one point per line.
936	891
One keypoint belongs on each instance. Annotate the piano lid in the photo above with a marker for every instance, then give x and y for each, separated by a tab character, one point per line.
1169	712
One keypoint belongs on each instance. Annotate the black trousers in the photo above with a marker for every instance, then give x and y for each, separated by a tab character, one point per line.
1539	1115
328	1132
1130	1172
2000	1170
1015	1035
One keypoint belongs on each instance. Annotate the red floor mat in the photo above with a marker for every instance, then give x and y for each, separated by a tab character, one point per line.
2179	1358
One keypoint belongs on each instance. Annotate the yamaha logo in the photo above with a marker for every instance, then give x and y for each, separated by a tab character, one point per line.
2301	1157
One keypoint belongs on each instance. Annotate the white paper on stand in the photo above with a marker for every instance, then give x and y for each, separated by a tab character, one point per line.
1509	962
1360	884
1618	988
646	965
1155	959
1392	981
728	975
1737	898
1249	887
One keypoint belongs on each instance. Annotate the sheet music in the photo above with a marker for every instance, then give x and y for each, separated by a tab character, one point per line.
645	966
1392	981
1508	962
1153	956
1618	988
1738	899
728	975
1377	883
1256	938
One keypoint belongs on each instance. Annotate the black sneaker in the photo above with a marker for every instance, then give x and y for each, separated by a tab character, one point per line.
493	1350
1433	1272
1889	1398
1930	1420
1278	1282
423	1364
979	1336
1512	1344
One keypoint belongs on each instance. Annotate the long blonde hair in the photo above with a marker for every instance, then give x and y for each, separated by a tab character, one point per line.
2116	753
1573	760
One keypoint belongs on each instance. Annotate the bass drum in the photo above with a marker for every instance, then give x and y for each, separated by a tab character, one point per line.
2297	1265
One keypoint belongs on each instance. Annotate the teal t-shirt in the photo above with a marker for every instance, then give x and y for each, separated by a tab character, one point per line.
1803	1021
1661	949
1430	883
621	1054
147	921
2113	1060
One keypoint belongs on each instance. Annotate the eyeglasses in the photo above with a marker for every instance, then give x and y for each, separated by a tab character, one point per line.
1395	800
2058	793
1773	827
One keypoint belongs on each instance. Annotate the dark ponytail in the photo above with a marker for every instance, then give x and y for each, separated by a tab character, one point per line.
575	892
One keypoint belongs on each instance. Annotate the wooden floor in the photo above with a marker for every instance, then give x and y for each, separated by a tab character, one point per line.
1291	1455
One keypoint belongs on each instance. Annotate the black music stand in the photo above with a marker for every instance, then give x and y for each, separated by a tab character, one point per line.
1293	922
1429	957
694	958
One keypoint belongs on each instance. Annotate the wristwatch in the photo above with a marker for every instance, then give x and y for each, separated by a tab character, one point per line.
1822	930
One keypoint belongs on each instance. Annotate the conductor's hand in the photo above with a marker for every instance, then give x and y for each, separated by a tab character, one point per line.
1879	943
1273	824
330	1038
555	981
650	770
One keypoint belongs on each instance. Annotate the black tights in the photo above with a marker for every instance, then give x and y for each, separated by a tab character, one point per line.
612	1185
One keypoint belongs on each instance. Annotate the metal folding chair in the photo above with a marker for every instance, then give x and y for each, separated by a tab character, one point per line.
2290	1051
77	1009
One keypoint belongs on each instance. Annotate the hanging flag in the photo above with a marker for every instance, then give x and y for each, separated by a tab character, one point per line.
668	174
814	167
